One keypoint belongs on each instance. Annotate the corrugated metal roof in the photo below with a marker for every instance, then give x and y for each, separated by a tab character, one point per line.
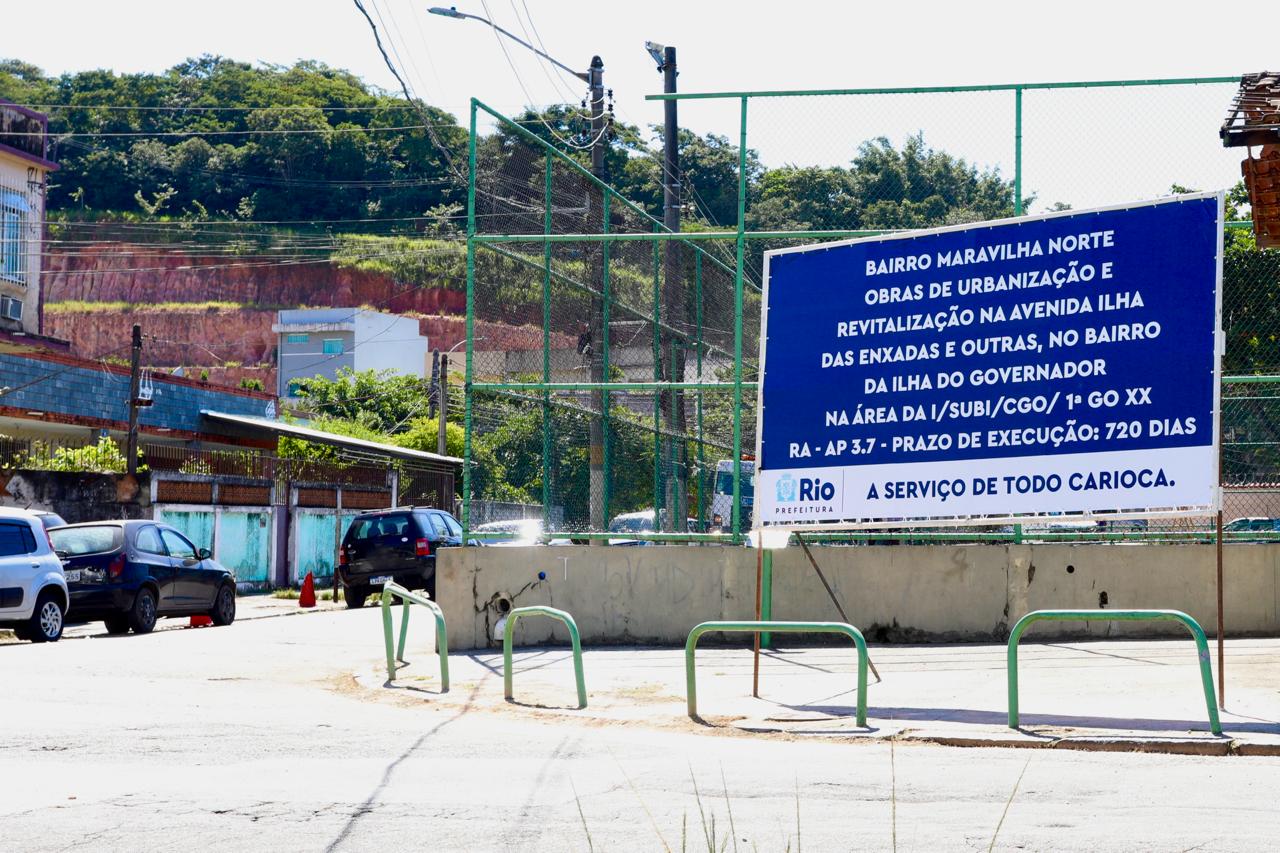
306	433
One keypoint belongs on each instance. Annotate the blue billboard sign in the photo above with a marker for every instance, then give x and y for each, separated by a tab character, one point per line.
1066	363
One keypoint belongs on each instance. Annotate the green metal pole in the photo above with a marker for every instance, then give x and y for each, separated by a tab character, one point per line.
404	629
546	353
1017	152
574	638
632	387
470	323
691	644
676	454
392	590
1197	634
702	448
606	299
736	510
388	629
928	90
659	490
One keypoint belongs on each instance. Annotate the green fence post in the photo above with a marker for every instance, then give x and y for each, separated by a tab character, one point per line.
470	322
1197	634
546	352
702	448
741	243
606	291
574	638
659	490
690	678
1017	151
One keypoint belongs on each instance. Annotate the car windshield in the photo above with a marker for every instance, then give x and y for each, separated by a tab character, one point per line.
724	483
387	525
86	540
636	524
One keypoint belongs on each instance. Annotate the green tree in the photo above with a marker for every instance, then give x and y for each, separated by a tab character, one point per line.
382	401
298	448
337	157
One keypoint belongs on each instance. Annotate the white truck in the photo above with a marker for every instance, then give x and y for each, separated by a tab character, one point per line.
722	495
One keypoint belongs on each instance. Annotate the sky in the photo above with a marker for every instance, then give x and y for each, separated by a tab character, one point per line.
1095	148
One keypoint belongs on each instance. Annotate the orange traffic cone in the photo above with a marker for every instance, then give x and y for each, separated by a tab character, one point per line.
308	596
200	621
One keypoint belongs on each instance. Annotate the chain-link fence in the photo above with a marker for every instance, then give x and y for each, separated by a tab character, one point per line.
612	365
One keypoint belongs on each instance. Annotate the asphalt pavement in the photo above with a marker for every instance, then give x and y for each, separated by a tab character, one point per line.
281	734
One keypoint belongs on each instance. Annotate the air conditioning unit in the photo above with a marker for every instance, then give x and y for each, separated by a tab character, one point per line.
10	308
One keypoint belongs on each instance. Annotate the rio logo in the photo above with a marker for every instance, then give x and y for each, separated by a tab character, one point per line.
805	489
816	490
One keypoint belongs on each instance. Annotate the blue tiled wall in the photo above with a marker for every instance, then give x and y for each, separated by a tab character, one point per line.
95	393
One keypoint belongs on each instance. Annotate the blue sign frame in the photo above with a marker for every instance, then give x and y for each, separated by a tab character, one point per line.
1067	363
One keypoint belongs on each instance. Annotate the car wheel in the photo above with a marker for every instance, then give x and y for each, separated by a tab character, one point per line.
224	607
355	596
142	616
46	620
117	625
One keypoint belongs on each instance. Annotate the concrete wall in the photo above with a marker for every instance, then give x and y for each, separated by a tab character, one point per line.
894	594
616	595
388	342
77	496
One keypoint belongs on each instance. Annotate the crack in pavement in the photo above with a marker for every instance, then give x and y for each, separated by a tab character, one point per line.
368	805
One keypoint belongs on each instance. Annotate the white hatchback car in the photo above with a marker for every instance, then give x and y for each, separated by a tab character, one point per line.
33	590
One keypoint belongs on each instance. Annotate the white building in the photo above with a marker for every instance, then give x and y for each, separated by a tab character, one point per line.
23	166
321	341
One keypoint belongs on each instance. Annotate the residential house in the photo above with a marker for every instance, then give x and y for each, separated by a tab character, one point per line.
321	341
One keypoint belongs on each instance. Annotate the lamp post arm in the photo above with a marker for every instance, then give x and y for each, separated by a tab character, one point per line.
454	13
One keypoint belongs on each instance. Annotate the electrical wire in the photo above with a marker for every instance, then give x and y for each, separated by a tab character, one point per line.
587	146
542	63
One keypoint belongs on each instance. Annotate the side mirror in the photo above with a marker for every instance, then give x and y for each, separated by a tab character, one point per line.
204	554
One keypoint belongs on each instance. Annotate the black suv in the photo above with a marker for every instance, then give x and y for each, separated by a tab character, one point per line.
394	544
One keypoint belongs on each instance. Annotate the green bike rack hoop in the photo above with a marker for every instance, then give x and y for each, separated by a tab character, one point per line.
394	590
574	638
691	683
1197	633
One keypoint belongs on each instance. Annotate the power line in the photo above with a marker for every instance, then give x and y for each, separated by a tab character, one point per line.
444	151
206	132
519	80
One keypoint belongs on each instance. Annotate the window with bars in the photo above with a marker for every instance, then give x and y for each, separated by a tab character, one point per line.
14	212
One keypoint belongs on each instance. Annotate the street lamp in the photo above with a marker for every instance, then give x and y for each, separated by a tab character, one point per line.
452	12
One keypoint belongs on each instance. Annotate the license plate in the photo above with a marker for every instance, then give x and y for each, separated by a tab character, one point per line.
72	575
381	579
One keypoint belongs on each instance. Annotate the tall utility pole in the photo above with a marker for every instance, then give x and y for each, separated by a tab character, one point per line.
673	297
597	485
135	356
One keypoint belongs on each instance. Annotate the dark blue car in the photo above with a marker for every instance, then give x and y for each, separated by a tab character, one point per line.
130	573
